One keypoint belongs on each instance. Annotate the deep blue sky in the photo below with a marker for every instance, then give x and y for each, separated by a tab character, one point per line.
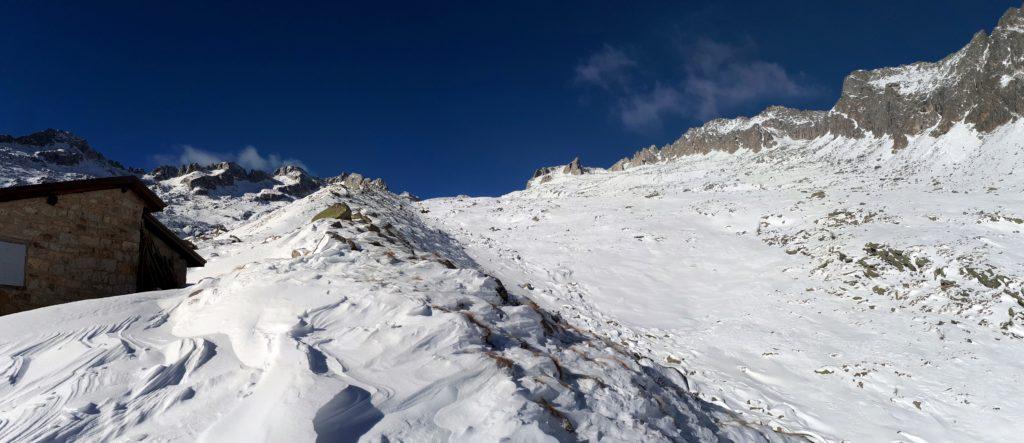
441	100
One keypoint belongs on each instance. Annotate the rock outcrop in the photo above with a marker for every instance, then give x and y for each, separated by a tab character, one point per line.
356	181
285	183
544	175
59	145
573	168
981	85
52	155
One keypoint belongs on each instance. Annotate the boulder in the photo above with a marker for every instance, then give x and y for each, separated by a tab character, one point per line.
340	211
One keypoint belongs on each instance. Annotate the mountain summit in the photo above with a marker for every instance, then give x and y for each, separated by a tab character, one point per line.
981	85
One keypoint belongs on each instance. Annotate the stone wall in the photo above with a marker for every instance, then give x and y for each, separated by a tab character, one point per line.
162	266
85	246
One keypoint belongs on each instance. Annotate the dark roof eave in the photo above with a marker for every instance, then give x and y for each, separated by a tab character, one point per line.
128	182
193	259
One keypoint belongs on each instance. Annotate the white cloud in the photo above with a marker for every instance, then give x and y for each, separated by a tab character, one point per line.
606	68
249	158
715	78
720	77
191	154
643	111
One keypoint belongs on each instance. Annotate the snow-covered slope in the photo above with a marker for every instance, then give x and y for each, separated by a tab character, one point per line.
979	85
844	275
51	155
835	289
204	200
376	328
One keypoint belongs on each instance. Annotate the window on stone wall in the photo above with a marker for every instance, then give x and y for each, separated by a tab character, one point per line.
12	264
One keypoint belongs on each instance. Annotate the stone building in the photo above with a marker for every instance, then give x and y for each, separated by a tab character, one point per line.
74	240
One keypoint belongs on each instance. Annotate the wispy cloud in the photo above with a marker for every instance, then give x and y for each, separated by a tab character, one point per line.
606	68
191	154
640	111
720	77
707	79
249	158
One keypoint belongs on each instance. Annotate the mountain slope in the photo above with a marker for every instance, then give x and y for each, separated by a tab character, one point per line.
849	275
980	86
204	200
51	155
800	286
846	275
335	330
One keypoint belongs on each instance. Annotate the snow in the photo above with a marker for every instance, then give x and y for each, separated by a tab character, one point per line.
333	330
825	290
730	268
919	78
20	166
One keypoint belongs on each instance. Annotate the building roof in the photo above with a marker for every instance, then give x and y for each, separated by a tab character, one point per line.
180	246
125	183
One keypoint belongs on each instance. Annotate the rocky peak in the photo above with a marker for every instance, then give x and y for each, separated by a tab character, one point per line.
573	168
356	181
982	84
290	170
544	174
52	138
296	181
52	155
58	147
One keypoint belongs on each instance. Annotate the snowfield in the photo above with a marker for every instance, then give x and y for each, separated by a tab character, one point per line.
832	289
855	274
372	329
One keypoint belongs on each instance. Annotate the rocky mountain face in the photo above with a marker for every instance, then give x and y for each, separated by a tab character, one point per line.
204	199
208	200
52	155
981	85
285	182
547	173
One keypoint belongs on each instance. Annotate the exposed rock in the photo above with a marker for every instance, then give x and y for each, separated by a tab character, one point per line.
62	157
340	211
981	84
165	172
543	171
270	195
356	181
573	168
543	175
55	151
298	182
54	138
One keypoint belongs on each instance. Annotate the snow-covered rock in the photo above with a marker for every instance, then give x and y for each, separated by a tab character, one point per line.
51	155
377	329
980	85
549	173
835	290
844	275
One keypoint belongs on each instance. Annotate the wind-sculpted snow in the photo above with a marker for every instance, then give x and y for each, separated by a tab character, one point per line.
377	329
835	289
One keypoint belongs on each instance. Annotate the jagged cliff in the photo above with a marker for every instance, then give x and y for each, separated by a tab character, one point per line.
982	85
51	155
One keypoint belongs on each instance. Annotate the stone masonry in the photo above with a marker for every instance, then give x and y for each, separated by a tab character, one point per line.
84	246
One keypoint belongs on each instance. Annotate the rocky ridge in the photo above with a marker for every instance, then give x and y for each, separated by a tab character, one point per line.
204	199
52	155
546	173
980	85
